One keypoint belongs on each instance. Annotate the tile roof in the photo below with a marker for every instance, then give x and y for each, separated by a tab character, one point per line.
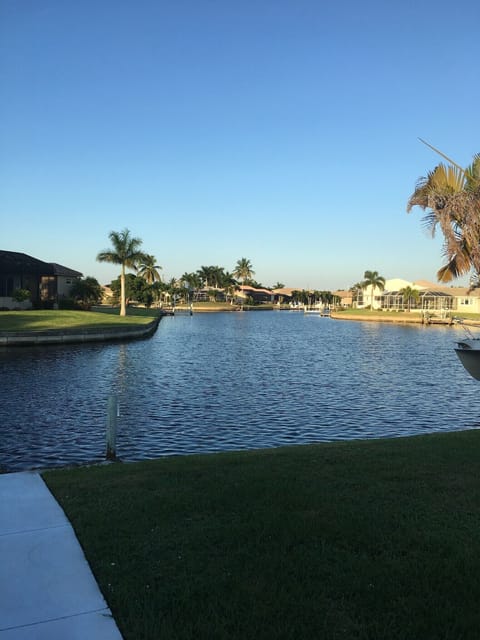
60	270
14	261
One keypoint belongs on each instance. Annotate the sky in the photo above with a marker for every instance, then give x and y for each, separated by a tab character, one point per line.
283	131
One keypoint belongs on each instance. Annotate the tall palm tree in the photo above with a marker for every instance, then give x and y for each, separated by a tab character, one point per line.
375	281
206	275
191	282
409	294
148	270
126	252
243	270
357	290
451	197
212	275
229	285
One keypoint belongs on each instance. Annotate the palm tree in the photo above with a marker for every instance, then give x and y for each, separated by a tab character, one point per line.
206	275
375	281
125	252
191	283
229	285
172	290
409	294
357	290
86	292
243	270
451	197
148	270
157	289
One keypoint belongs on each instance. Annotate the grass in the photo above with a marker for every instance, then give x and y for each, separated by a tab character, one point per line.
367	540
468	316
60	320
375	312
395	314
208	306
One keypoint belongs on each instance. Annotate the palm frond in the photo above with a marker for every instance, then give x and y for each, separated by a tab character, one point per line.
109	256
441	154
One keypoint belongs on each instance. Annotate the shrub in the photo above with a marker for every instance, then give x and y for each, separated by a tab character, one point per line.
21	295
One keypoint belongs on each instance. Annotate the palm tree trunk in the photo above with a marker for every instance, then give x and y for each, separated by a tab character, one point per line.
123	311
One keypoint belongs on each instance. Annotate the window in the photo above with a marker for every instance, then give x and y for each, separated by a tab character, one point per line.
6	286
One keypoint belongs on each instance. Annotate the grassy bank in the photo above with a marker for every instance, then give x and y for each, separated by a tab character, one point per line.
367	540
374	312
60	320
198	307
399	314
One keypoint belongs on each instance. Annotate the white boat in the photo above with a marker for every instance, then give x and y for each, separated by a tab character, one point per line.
468	351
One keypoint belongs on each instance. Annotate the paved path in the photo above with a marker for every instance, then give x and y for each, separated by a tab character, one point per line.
47	590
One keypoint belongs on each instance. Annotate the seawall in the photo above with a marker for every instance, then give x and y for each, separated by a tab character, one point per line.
68	336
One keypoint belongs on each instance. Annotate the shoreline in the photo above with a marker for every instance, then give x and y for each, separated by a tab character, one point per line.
415	319
69	336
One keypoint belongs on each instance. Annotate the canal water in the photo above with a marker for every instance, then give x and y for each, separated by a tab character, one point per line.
227	381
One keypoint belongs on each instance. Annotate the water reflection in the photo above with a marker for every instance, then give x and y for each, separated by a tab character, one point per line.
231	381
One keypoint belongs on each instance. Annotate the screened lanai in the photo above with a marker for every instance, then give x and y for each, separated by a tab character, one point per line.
428	300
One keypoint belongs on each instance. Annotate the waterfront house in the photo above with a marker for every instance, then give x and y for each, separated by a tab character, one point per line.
344	298
432	297
283	295
47	282
257	295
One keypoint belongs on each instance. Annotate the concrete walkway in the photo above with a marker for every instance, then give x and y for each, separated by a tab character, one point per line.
47	590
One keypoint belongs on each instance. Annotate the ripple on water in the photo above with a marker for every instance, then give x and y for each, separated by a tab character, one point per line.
231	381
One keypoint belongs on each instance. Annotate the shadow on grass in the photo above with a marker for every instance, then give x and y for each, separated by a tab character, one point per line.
374	539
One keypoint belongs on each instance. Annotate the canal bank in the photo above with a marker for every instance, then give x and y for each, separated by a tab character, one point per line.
394	317
75	335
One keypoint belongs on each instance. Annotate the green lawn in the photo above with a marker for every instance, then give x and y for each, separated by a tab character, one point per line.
364	540
393	314
45	320
375	312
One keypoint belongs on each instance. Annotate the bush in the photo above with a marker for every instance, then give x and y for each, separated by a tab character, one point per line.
21	295
85	293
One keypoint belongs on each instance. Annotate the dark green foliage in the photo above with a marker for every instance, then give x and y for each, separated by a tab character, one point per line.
85	293
21	295
137	289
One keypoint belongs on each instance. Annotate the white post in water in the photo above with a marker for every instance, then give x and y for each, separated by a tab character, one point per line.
112	415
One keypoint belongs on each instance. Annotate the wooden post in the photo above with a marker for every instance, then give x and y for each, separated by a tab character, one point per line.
112	415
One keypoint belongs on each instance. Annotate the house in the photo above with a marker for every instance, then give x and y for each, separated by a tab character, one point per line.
283	295
345	298
431	297
257	295
47	282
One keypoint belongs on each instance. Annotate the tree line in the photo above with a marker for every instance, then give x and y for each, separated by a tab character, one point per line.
146	286
450	195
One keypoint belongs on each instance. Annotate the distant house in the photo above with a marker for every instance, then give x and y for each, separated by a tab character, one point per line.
47	281
344	298
257	295
431	297
283	295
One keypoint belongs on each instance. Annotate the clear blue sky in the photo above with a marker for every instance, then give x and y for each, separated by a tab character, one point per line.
284	131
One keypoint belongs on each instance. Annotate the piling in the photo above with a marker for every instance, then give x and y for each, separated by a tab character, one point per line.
112	416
